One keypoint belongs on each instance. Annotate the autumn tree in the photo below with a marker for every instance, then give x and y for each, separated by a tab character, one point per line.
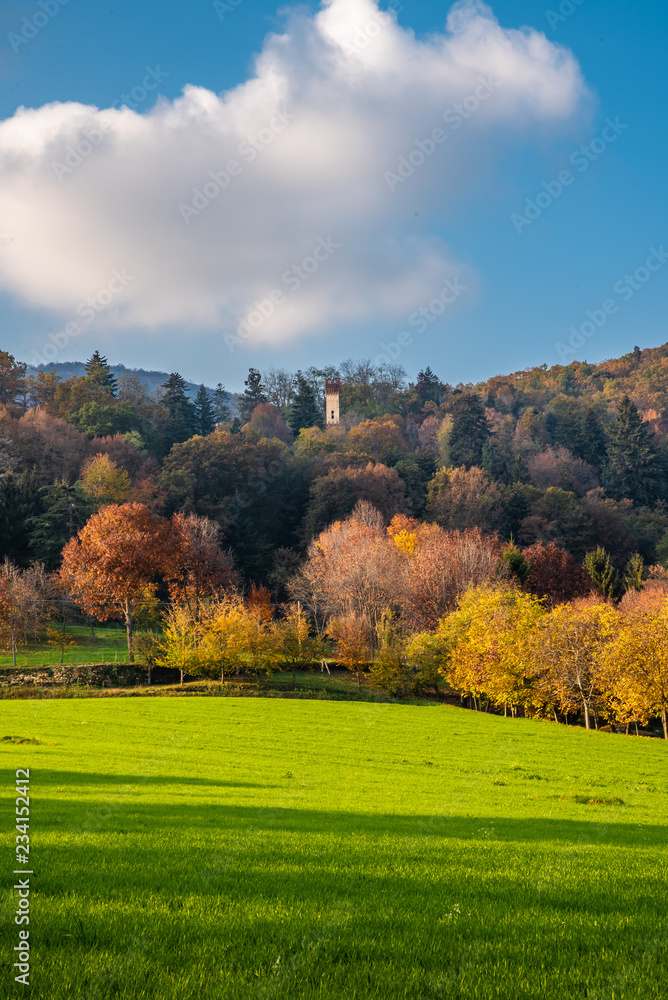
295	643
103	482
490	633
179	647
569	647
200	568
554	574
23	607
637	665
110	567
465	498
223	629
353	638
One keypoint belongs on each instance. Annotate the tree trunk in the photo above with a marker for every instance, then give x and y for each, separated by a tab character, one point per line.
149	674
586	712
294	680
182	672
358	681
556	717
664	721
128	629
13	646
222	673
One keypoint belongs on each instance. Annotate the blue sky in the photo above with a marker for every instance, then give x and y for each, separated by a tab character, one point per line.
389	251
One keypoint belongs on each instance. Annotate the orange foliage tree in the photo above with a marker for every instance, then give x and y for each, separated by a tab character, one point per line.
199	567
110	567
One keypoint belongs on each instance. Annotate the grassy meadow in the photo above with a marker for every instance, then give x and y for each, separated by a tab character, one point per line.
110	645
231	848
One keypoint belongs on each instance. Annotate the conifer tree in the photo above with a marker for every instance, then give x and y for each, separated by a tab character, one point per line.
305	411
182	412
469	432
253	394
204	413
221	409
631	470
598	565
98	372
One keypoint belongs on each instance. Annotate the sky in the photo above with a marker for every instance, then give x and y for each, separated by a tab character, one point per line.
211	186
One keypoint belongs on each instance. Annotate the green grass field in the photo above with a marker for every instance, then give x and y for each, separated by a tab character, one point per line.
111	646
258	848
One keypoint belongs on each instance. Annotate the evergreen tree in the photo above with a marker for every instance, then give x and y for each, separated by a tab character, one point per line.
182	411
520	471
204	413
305	411
469	432
429	387
631	471
221	409
598	565
65	509
253	395
594	449
98	372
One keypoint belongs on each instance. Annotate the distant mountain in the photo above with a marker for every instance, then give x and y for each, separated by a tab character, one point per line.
153	379
67	369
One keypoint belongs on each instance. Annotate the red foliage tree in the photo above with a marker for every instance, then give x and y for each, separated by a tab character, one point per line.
554	574
110	567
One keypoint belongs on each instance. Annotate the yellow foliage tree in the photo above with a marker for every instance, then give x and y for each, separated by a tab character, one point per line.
569	648
636	667
489	635
104	482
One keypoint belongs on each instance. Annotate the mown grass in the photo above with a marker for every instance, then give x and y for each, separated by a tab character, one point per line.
265	848
109	646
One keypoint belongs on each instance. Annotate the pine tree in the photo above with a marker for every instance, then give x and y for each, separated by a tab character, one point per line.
221	410
598	565
594	449
305	411
520	471
429	387
98	371
469	432
182	411
631	471
253	395
206	421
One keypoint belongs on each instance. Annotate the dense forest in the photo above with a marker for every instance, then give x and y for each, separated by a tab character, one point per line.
576	455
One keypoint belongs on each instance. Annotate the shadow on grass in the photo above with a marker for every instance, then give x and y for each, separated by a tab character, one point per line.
178	820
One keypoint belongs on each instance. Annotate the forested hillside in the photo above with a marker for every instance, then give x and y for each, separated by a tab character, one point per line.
573	454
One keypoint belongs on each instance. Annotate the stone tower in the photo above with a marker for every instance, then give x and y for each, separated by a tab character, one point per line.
332	391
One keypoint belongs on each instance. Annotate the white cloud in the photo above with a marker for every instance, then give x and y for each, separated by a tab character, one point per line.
336	102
